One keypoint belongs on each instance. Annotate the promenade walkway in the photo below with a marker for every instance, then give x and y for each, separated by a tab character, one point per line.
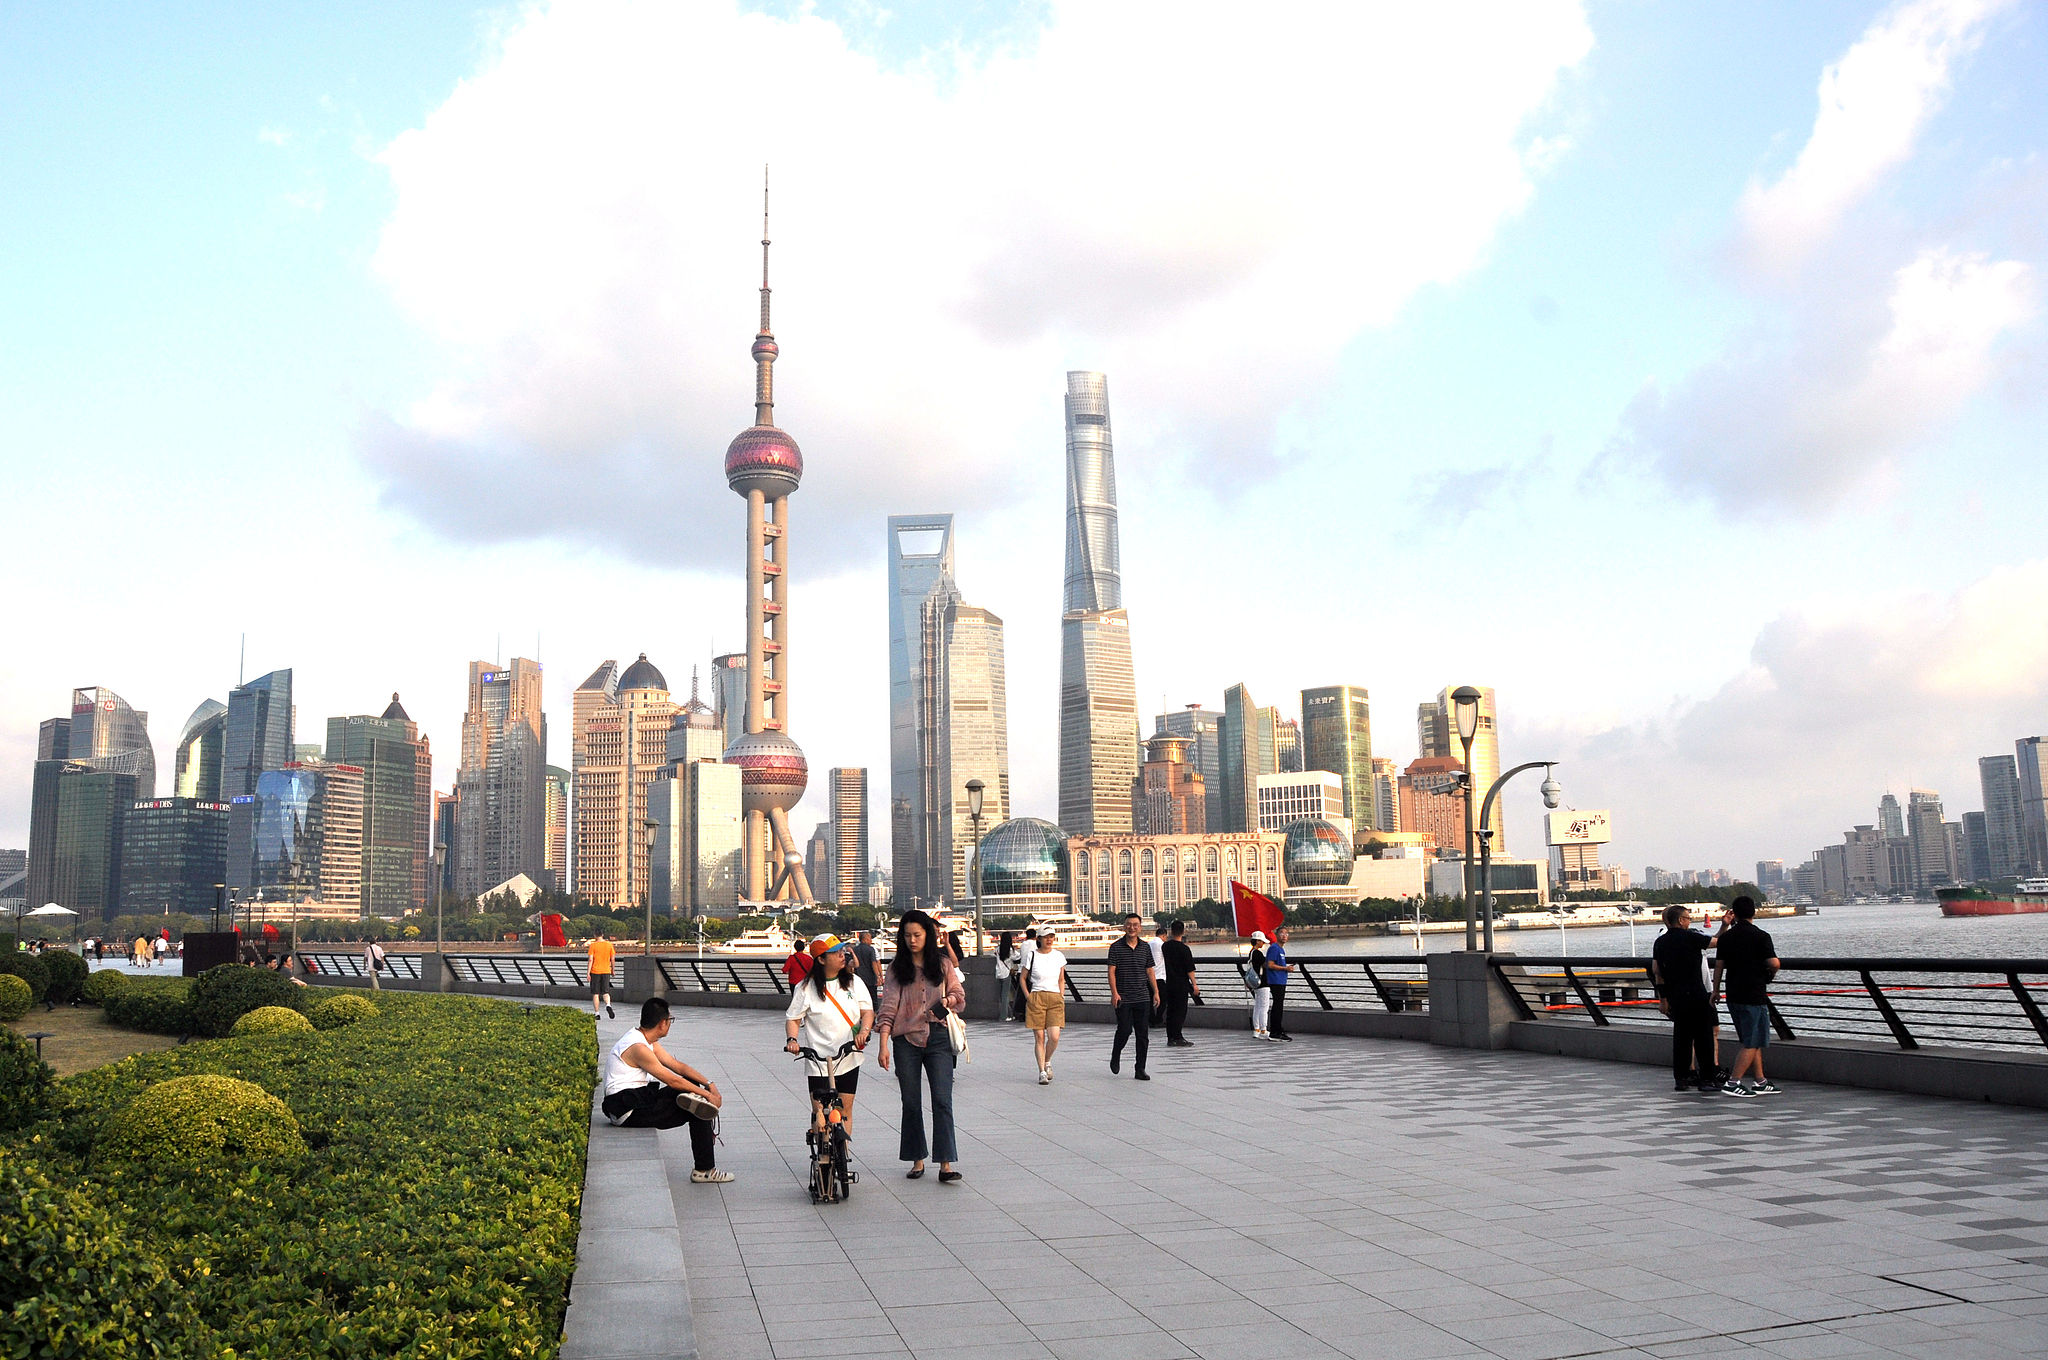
1346	1197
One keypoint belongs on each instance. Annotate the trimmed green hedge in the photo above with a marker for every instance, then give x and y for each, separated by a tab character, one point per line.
152	1005
15	997
271	1020
342	1008
208	1121
223	995
31	969
24	1079
433	1214
101	984
67	974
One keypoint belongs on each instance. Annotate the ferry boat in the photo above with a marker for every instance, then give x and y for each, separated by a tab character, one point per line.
770	942
1076	931
950	920
2030	896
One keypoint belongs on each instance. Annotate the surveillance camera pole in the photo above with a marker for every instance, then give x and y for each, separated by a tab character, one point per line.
1486	841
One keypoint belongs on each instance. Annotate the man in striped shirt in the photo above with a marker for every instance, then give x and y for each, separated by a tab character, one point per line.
1134	991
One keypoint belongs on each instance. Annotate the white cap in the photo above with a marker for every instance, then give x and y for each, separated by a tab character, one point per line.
1258	937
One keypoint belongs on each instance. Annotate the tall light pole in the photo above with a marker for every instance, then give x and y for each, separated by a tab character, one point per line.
440	858
653	828
1465	707
1551	794
975	788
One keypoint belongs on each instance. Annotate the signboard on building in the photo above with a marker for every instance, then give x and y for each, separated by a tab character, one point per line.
1578	827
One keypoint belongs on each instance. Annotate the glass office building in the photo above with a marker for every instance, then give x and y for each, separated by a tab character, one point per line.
202	753
1098	695
174	854
920	572
86	847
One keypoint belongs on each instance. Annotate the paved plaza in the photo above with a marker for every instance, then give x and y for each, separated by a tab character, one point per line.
1330	1197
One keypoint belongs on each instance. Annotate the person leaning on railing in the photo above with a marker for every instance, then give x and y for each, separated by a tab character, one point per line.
1678	968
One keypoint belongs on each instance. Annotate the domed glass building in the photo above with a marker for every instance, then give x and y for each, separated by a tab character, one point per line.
1318	855
1023	868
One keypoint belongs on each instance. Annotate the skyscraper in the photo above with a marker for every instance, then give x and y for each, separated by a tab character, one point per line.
109	735
1172	797
398	805
1198	727
1932	865
697	854
500	787
1336	729
309	835
76	817
849	806
963	721
764	465
2033	803
1248	747
1098	695
1891	821
259	732
555	785
1434	736
173	852
729	695
920	568
622	721
201	755
2005	828
1386	795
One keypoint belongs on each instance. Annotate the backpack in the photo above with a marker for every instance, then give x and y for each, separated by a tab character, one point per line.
1255	970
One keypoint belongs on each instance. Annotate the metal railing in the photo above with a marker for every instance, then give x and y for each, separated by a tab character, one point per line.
1336	982
1949	1003
520	970
338	964
722	974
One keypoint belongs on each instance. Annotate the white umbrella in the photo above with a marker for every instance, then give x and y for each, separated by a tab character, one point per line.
52	909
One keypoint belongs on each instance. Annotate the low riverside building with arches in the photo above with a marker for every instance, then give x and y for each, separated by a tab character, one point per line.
1162	875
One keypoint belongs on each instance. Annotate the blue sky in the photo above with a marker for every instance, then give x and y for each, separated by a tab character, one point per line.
1568	350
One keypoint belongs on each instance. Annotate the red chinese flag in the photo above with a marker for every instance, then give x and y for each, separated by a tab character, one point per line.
1254	911
269	931
551	930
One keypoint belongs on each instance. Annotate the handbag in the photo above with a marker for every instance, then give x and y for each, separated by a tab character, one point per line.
956	1034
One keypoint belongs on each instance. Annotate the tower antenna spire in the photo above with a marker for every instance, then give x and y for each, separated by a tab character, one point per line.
764	340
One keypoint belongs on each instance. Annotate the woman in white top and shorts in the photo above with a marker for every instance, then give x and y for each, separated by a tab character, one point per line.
826	1009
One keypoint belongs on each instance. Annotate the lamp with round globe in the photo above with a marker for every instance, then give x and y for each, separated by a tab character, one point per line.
975	788
1465	711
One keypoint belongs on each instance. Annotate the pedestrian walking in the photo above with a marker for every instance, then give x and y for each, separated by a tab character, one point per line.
1006	968
864	963
921	987
1179	984
1747	958
647	1087
1678	966
1045	1004
1021	993
797	966
600	955
1255	983
1134	992
1158	945
373	964
1277	969
831	1009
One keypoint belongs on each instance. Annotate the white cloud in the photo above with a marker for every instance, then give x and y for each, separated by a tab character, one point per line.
1204	205
1847	700
1873	104
1803	419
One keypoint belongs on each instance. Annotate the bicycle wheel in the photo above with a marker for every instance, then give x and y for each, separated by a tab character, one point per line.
841	1172
821	1182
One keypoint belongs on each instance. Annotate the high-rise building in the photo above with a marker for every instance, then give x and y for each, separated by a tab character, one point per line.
2033	802
622	721
764	465
1336	733
76	815
818	855
2005	826
1485	762
696	809
398	805
1098	692
1386	795
1932	864
964	723
53	739
555	786
309	836
258	737
1977	855
1434	736
1578	868
1287	745
1770	874
729	695
920	569
1198	727
174	856
109	735
1433	802
445	836
501	786
1891	820
1171	798
1312	795
848	789
1247	748
201	756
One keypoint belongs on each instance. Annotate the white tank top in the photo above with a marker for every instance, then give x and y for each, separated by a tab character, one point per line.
620	1075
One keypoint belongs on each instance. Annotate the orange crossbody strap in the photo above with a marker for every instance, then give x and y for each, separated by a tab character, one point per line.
842	1011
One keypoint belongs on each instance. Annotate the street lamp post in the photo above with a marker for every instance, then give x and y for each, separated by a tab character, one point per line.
1551	793
1465	709
440	861
975	788
653	828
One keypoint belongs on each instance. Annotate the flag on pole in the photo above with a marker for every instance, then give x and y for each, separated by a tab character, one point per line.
1254	911
551	931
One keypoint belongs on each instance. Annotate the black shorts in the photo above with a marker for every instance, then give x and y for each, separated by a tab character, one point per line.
600	982
849	1082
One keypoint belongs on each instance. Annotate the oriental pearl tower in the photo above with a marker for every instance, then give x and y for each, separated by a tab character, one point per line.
764	465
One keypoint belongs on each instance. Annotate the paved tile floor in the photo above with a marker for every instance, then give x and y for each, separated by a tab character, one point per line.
1343	1197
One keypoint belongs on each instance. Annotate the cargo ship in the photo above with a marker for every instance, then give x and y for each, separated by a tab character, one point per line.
2030	896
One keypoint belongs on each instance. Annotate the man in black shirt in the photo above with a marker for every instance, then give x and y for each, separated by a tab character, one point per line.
1678	966
1134	991
1749	960
1180	984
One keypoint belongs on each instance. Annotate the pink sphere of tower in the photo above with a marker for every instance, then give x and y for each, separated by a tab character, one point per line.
773	771
765	459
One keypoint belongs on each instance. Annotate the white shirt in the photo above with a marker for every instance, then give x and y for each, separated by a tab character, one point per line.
620	1075
824	1029
1042	970
1158	957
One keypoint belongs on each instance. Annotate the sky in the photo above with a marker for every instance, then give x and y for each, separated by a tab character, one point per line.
1676	370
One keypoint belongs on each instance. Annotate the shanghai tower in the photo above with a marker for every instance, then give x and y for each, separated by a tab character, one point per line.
1098	697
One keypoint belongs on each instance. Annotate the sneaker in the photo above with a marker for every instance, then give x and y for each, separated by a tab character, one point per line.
609	1013
1285	1038
1048	1071
1738	1090
1139	1076
1044	1077
1116	1065
712	1177
1764	1088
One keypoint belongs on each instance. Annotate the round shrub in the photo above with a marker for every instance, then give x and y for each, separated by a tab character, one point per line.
223	995
30	969
15	997
203	1120
102	983
345	1009
67	975
271	1020
150	1005
24	1078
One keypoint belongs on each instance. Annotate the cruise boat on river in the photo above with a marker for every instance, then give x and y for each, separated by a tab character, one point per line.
1077	931
769	942
2030	896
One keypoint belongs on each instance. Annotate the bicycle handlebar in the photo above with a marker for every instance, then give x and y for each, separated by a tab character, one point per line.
806	1051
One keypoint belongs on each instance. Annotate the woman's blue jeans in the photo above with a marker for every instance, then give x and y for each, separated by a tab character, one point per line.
913	1064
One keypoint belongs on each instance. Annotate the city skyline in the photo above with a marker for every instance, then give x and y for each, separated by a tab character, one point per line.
1474	370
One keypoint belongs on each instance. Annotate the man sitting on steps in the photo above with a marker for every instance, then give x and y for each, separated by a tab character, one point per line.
642	1082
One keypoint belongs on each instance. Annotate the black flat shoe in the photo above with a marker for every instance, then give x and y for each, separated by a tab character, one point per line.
948	1177
1140	1076
914	1173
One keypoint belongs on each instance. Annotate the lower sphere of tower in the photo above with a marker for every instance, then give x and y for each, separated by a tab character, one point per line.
773	771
